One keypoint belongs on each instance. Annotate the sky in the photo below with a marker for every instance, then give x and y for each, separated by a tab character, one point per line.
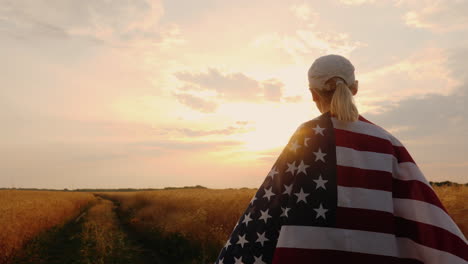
150	94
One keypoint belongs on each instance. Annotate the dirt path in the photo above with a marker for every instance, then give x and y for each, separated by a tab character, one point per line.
96	236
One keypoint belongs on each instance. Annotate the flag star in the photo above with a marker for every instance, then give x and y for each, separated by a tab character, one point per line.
242	240
261	238
320	211
319	155
272	173
265	215
258	260
305	141
221	261
301	196
285	211
228	243
302	168
288	189
268	193
247	219
318	130
294	146
253	199
292	168
320	183
238	260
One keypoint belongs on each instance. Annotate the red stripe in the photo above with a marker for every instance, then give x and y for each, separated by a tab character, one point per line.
383	181
364	219
363	142
370	179
402	154
416	190
384	222
300	256
361	118
431	236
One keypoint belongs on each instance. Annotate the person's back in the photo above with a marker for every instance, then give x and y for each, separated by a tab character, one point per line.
344	190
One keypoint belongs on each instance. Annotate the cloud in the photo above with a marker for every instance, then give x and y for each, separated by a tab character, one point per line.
422	73
196	103
164	146
112	22
226	87
235	86
273	89
303	12
188	132
435	125
307	42
439	16
356	2
293	99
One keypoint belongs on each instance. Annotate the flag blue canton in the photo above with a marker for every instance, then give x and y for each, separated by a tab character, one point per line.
300	189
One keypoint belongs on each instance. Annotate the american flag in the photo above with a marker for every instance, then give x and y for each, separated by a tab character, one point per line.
345	193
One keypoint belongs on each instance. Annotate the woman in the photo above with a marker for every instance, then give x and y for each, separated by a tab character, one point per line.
344	190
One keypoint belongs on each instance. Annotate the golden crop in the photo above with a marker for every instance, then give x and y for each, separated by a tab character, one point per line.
454	200
207	215
24	214
204	215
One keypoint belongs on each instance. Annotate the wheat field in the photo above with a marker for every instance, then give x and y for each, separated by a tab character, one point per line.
25	214
205	217
208	216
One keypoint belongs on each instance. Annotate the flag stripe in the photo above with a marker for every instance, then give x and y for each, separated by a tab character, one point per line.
364	219
416	190
366	128
431	236
410	249
383	181
365	199
364	159
384	222
365	142
406	208
372	161
306	256
410	171
425	213
370	179
337	239
361	242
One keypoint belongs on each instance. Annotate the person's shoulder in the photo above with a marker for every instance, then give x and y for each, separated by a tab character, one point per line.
367	127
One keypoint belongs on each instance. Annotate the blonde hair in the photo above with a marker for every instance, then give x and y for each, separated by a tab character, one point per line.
338	95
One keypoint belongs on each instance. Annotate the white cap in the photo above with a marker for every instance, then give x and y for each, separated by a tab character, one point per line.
329	66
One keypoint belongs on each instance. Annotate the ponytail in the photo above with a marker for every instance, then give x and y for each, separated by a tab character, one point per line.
342	103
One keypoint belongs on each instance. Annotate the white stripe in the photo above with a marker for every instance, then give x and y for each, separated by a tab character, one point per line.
408	171
367	160
352	197
364	159
367	129
419	211
426	213
410	249
313	237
